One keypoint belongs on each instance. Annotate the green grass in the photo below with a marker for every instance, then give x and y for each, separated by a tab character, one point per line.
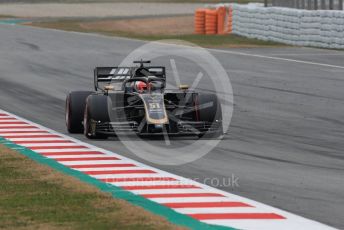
5	16
34	196
215	41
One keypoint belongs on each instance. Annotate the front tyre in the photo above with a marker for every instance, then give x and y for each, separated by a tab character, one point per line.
95	110
74	110
210	111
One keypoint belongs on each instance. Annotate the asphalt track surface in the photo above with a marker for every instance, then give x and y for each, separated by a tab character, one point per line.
286	139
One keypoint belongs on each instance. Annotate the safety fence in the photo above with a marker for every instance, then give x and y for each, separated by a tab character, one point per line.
319	28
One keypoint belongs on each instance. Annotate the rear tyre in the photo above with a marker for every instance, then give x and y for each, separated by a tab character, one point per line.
74	110
210	111
96	110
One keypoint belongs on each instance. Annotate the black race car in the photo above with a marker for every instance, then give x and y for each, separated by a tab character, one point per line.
135	100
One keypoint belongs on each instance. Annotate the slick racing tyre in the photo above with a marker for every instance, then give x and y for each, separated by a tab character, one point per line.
74	110
96	110
210	111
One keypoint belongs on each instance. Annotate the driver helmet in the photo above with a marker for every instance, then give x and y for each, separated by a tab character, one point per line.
140	86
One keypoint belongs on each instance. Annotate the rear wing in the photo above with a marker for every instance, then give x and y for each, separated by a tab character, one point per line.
118	74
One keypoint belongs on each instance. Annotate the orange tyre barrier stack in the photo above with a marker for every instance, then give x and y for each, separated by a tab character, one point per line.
214	21
211	21
221	15
230	20
200	21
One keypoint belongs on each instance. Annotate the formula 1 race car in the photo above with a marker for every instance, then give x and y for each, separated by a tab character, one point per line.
135	100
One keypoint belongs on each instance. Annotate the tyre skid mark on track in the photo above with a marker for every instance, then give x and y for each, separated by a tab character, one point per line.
180	194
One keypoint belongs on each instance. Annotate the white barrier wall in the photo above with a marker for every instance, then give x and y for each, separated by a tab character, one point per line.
291	26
